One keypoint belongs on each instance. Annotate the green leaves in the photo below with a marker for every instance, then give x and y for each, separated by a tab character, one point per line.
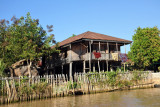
146	47
2	67
24	38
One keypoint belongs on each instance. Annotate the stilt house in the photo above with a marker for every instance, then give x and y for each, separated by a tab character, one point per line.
88	51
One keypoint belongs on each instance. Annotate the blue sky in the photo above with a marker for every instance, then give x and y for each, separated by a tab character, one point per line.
118	18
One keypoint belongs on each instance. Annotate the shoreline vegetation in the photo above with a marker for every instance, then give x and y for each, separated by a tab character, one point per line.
18	89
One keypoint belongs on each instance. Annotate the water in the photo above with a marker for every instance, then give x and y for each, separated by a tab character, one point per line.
127	98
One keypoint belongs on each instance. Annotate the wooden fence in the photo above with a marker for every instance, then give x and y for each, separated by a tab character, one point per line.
16	89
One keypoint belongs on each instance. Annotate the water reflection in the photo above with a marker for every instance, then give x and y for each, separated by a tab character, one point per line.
132	98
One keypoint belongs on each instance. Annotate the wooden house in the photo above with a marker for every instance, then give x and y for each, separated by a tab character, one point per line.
88	51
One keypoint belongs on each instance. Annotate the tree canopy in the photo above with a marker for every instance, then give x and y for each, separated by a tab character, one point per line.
23	38
145	49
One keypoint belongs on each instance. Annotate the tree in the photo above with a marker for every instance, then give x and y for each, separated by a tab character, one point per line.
145	49
2	67
24	39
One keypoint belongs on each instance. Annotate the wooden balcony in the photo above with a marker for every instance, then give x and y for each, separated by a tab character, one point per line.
87	56
104	56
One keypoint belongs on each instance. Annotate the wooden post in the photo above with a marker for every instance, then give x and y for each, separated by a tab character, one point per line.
90	57
70	64
124	62
117	50
98	66
116	47
70	59
70	71
98	58
84	66
108	50
108	55
99	47
62	69
103	66
75	68
107	64
94	67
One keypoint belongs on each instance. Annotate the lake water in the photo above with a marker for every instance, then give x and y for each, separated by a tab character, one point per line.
127	98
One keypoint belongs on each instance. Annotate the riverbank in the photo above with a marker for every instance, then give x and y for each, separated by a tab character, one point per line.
126	98
50	86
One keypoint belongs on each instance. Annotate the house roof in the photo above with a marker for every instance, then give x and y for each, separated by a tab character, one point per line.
92	36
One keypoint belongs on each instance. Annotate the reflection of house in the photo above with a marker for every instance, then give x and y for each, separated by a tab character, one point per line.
77	53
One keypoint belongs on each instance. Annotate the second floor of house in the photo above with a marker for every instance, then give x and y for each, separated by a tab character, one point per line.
91	46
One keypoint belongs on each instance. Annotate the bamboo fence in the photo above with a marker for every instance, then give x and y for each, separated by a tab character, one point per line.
17	89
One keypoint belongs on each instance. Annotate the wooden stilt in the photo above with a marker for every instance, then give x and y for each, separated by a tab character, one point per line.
107	64
99	47
84	66
90	57
124	62
70	70
103	66
98	58
116	47
108	51
75	68
98	66
70	64
62	69
94	69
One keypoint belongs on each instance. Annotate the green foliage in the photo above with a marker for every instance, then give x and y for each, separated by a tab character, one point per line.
111	78
136	76
73	85
25	90
24	38
39	87
2	67
146	47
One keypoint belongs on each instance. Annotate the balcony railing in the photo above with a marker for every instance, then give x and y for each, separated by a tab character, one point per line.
87	56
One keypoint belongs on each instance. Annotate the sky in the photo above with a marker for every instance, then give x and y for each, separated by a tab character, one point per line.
117	18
